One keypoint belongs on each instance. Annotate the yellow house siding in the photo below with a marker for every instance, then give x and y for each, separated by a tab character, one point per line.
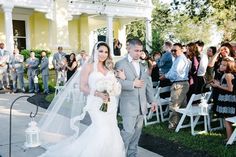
2	30
74	34
84	33
39	26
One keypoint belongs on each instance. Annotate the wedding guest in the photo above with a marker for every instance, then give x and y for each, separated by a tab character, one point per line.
16	67
117	46
225	98
164	63
83	58
32	64
223	52
58	62
71	66
155	69
136	92
210	71
178	75
44	71
4	60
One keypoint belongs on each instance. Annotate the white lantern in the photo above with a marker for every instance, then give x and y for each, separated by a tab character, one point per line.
204	107
32	135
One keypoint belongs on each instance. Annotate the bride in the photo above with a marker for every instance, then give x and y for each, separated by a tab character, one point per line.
77	126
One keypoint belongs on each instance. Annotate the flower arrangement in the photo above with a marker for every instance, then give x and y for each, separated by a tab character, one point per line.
110	86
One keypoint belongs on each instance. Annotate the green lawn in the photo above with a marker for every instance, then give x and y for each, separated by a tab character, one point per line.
210	142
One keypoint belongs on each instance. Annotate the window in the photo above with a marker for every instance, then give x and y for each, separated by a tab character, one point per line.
19	31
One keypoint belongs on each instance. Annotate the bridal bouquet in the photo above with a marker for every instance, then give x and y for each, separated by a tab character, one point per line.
110	86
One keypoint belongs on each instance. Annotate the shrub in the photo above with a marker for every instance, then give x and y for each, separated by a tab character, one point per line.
26	53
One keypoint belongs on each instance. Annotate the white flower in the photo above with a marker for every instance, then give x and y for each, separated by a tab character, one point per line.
109	85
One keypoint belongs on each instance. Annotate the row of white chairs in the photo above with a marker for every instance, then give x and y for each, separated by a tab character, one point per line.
193	110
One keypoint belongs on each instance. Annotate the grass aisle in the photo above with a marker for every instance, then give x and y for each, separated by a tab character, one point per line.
210	142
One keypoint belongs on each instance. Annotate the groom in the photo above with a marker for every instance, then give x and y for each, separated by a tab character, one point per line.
136	92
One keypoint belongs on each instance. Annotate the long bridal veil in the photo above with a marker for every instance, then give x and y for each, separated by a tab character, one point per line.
56	124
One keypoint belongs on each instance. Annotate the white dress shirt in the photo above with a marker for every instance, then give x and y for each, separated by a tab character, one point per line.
202	65
135	64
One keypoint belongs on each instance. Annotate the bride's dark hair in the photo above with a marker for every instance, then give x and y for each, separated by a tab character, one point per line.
108	61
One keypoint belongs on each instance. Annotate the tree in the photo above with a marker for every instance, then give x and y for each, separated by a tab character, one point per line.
219	12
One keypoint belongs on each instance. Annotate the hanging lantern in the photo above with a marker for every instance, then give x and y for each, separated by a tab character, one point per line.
32	135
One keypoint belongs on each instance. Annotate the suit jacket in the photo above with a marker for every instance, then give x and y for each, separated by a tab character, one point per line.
44	66
4	60
16	62
133	101
57	58
33	69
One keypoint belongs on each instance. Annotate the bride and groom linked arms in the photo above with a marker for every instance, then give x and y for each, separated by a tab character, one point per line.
75	125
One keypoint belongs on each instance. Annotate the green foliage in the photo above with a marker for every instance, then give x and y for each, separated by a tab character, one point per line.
219	12
210	142
26	53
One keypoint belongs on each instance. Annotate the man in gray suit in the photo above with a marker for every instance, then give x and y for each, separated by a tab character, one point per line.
16	67
32	64
136	92
4	60
57	61
44	71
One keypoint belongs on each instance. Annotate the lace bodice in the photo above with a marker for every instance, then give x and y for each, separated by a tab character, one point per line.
96	76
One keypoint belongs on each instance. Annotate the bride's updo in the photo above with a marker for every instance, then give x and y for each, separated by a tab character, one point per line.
94	58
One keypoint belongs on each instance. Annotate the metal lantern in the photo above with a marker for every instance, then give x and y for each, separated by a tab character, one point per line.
32	135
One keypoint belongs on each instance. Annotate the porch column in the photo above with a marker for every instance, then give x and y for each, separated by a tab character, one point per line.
122	39
148	34
8	27
59	18
110	33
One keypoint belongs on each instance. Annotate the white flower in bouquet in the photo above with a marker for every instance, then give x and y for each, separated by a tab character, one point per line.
110	86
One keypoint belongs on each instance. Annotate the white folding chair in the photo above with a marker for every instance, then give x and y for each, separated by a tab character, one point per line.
163	102
233	136
151	117
210	119
194	111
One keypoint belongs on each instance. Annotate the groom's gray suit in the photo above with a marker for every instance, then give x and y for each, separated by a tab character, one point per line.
133	104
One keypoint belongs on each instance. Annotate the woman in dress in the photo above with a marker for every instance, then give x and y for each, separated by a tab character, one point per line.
100	138
71	66
225	98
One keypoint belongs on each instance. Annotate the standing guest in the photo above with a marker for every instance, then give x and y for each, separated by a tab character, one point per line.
178	75
16	67
155	70
136	92
44	71
164	63
223	52
225	101
83	58
58	62
4	59
203	63
211	51
117	46
32	64
71	66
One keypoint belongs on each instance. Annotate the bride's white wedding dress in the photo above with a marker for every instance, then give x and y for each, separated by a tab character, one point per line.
102	137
